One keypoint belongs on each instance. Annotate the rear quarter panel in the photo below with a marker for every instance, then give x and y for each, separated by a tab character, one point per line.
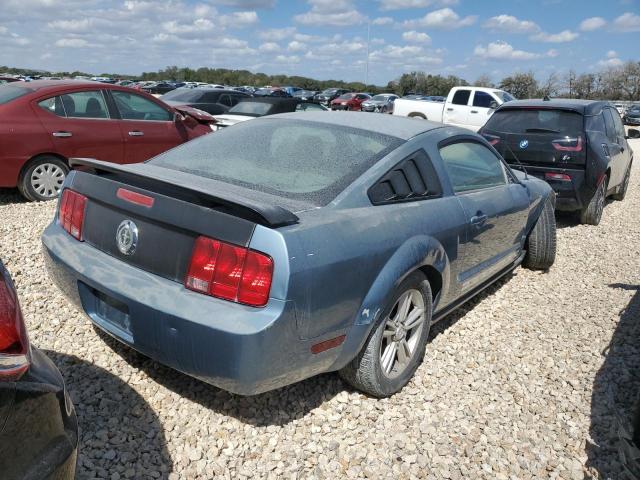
21	137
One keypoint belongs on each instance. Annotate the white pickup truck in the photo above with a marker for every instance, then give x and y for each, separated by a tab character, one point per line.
468	107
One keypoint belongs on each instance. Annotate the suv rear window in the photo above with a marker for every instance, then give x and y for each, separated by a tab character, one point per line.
535	121
9	92
309	161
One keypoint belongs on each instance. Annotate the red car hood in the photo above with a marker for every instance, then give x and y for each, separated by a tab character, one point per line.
200	115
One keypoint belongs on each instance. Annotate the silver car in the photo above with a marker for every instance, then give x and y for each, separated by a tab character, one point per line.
382	103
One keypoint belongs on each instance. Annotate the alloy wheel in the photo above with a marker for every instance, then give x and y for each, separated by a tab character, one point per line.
402	332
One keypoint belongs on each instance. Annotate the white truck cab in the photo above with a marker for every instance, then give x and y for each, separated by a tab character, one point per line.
467	107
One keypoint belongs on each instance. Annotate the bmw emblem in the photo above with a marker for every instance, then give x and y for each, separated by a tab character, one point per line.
524	144
127	237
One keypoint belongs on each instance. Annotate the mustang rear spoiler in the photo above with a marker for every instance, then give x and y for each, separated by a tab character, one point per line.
262	208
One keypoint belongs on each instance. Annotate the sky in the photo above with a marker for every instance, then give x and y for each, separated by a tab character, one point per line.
323	39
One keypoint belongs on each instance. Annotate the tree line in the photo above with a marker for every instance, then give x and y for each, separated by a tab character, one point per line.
614	83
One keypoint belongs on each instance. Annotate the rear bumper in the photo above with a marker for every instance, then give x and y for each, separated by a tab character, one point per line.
40	436
570	195
241	349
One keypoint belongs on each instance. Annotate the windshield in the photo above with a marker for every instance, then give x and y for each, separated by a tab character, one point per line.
381	98
9	92
330	91
535	121
346	96
303	160
251	109
504	96
183	95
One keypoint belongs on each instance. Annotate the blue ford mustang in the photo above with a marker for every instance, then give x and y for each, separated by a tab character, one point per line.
296	244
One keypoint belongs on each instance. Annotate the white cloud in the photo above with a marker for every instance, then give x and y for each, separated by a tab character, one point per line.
561	37
612	54
444	19
627	22
287	59
610	62
400	4
382	21
378	41
246	3
593	23
404	55
296	46
511	24
502	51
269	47
416	37
3	29
277	34
337	13
71	43
239	19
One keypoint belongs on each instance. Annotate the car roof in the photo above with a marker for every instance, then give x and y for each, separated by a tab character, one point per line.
38	85
274	100
585	107
396	126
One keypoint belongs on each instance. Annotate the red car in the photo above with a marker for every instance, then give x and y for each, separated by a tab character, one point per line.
44	123
350	101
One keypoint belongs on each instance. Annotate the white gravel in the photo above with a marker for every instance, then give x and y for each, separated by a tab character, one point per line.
514	386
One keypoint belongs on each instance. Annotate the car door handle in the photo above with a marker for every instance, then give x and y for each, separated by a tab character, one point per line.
474	111
479	220
136	133
449	109
62	134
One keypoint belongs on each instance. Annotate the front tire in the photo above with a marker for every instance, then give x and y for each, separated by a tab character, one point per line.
396	345
541	242
43	178
592	214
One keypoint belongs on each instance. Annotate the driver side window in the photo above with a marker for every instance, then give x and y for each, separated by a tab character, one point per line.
472	166
136	107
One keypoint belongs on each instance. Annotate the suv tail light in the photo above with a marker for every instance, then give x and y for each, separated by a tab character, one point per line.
557	176
71	216
568	144
14	343
230	272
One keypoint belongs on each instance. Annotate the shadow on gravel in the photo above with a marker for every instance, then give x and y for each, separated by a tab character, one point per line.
278	407
572	219
10	195
615	389
118	429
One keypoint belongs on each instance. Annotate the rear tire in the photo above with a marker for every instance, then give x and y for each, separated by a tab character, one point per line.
394	349
541	242
42	179
592	214
619	196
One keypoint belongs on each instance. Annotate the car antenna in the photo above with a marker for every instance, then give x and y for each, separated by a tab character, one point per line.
520	164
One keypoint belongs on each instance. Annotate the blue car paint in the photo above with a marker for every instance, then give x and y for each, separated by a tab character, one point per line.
335	270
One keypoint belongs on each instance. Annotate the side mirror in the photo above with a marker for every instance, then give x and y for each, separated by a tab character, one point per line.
177	117
493	105
633	133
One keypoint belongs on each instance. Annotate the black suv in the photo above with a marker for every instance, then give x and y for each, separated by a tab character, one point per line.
325	97
578	146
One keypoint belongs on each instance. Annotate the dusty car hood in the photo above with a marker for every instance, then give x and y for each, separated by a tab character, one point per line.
232	119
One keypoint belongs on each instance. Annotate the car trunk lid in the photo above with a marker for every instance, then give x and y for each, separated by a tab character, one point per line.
169	210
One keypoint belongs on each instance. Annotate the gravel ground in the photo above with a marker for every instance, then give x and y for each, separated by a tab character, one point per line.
521	383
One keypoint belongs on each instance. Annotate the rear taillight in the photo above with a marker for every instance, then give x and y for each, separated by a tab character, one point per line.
230	272
14	343
568	144
557	176
492	139
71	216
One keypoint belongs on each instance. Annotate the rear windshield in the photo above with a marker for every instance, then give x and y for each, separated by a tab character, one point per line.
307	161
9	92
251	109
535	121
184	95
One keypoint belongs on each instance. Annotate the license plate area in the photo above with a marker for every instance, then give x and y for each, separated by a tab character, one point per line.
113	311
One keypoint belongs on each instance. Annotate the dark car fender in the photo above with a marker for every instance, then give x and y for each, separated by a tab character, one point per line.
416	253
539	191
